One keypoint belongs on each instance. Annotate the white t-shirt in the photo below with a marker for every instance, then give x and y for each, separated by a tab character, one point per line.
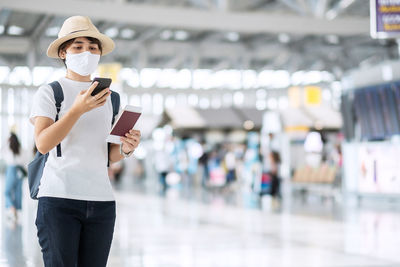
230	160
81	172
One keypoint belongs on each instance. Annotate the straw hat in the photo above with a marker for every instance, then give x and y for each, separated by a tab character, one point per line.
79	26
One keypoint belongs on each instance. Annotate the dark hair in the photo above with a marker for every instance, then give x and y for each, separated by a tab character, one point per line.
276	157
64	46
14	144
34	149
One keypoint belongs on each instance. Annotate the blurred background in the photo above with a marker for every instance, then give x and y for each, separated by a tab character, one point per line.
270	128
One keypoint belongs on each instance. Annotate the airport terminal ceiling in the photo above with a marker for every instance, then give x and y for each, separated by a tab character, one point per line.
292	35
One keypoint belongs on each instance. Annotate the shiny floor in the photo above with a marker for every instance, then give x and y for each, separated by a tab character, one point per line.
212	230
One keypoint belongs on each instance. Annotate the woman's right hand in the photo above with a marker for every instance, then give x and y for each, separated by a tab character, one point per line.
85	102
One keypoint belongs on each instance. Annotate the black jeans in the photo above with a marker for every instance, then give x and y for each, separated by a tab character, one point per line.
75	233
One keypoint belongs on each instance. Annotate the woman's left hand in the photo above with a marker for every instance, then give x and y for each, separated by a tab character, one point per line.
131	141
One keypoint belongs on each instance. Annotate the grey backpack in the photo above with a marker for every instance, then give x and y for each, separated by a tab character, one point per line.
36	166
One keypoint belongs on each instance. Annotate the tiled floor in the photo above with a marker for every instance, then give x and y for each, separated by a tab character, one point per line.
154	231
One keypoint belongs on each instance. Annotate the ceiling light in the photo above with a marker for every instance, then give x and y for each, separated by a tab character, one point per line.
204	103
52	31
331	14
181	35
261	94
111	32
284	38
332	39
327	94
127	33
232	36
272	103
238	99
166	35
248	125
261	104
15	30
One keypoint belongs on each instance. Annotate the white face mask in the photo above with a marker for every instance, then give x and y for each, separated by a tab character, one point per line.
84	63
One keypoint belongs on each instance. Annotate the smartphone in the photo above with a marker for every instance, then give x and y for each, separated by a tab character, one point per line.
103	84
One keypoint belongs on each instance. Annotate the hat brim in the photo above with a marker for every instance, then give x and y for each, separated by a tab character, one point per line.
107	44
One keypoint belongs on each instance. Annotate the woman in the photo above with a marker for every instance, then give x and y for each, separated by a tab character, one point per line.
16	161
76	209
275	162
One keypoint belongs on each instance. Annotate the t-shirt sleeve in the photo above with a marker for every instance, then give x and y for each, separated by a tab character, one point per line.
44	104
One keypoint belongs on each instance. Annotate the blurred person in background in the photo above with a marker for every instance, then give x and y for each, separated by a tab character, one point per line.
16	161
252	165
194	151
203	161
216	168
162	164
181	162
230	164
76	210
275	163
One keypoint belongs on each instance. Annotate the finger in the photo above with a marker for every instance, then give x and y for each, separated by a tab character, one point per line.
103	97
126	144
134	137
99	95
99	104
92	87
103	93
135	132
132	141
130	135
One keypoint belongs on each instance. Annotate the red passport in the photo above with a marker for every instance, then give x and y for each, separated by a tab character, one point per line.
125	122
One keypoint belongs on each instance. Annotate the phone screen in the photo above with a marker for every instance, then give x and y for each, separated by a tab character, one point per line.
103	84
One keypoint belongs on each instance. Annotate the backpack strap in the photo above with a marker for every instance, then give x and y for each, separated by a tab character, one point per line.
59	97
115	101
